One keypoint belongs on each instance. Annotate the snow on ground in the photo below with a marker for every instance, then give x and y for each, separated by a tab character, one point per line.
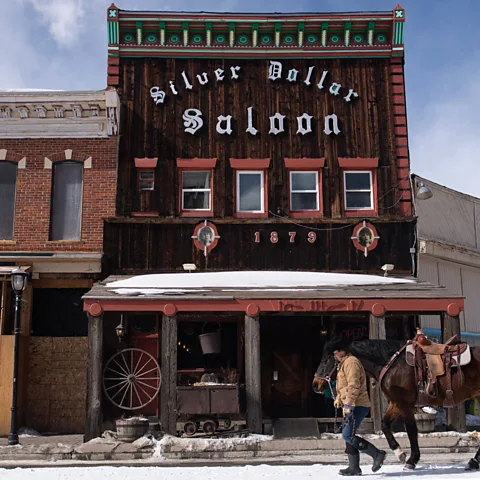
181	282
260	472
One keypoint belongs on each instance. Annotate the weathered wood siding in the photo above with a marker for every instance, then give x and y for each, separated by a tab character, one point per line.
137	246
150	130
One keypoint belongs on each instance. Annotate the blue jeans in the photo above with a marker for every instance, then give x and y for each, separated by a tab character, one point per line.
351	423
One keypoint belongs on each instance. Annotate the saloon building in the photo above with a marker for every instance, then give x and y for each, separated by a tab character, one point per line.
268	155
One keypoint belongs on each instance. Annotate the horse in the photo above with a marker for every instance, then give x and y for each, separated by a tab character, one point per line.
399	386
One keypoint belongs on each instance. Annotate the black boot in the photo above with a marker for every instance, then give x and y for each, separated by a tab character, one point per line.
473	464
377	455
353	468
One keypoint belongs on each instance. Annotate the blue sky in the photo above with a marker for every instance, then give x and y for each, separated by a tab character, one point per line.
61	44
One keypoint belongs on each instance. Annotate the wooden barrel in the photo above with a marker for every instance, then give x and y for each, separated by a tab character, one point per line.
128	430
425	422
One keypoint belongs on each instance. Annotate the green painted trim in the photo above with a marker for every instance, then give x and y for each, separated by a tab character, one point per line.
301	34
371	33
398	33
208	33
113	55
255	34
324	34
346	33
162	32
113	33
256	20
139	32
266	57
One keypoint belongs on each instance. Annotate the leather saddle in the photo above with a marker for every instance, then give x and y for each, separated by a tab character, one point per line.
433	360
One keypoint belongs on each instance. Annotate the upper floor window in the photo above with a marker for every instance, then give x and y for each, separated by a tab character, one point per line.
358	190
250	192
304	191
8	181
146	179
67	194
196	190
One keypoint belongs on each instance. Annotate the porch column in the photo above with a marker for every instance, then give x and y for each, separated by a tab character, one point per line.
455	416
379	404
253	374
168	389
93	424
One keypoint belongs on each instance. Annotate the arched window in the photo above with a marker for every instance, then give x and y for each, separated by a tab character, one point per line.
8	181
67	194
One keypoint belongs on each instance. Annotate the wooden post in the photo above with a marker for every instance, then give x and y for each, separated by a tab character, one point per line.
168	390
379	404
93	424
455	416
253	374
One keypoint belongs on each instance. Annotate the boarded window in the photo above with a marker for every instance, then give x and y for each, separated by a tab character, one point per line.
8	180
67	201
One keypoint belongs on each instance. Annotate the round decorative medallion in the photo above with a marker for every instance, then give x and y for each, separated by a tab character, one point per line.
205	236
266	39
174	38
197	38
365	237
381	38
151	38
243	39
312	39
128	38
220	39
335	38
288	39
358	38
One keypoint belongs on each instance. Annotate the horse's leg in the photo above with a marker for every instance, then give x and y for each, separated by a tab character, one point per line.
412	432
391	415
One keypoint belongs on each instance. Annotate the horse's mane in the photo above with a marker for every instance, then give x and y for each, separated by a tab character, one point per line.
376	351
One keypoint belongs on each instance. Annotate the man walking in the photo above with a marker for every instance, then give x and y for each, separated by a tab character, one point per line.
352	396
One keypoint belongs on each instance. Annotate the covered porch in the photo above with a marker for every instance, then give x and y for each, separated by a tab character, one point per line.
260	305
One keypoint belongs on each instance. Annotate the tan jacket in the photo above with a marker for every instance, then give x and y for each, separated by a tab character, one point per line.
351	382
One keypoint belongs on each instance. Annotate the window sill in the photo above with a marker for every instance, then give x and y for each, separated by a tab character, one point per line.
8	242
63	242
305	214
361	213
250	215
145	214
196	213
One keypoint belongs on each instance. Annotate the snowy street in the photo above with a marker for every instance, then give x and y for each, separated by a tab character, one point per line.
284	472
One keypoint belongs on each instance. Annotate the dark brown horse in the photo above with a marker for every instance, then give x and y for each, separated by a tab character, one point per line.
398	385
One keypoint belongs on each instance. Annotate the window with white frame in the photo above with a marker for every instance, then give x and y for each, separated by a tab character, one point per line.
250	192
8	181
146	179
358	190
303	191
196	190
66	213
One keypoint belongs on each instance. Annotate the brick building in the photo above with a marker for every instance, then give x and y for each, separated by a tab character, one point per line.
58	168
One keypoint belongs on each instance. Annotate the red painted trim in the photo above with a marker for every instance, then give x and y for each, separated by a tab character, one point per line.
306	213
398	99
194	213
305	163
250	163
401	131
401	141
113	70
405	209
357	244
283	304
215	239
402	152
113	61
400	120
403	162
358	163
196	163
399	110
113	81
145	214
146	162
398	89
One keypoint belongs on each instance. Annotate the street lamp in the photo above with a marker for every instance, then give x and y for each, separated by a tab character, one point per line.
19	281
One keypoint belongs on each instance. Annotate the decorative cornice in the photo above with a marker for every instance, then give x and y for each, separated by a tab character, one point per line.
27	114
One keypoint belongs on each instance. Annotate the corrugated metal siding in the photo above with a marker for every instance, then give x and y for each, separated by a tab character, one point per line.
428	272
449	217
471	290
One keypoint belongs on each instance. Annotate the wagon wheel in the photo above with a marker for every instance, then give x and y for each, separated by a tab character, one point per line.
131	379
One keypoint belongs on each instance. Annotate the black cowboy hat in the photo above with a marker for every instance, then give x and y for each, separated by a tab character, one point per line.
339	343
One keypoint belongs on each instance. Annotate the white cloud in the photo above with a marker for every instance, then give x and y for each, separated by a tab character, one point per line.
444	135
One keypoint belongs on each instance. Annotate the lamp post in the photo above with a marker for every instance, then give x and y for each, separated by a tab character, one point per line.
19	281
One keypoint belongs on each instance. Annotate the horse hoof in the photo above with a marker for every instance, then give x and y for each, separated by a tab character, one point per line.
401	455
409	466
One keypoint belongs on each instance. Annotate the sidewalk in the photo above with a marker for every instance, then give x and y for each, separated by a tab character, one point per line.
67	450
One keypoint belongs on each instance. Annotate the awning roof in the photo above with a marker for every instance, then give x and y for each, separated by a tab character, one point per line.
320	292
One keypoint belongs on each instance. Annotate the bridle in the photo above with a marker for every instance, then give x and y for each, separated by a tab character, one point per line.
328	378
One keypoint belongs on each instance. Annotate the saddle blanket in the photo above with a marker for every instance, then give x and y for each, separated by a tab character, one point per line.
462	359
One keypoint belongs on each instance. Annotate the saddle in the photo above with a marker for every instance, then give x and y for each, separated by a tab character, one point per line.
432	360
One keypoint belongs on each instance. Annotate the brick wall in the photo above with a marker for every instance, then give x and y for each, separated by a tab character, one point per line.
57	384
34	189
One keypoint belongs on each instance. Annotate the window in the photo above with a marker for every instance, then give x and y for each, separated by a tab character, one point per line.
146	180
358	190
196	190
250	192
304	191
8	181
66	201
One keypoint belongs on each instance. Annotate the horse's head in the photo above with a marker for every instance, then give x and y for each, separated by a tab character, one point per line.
327	370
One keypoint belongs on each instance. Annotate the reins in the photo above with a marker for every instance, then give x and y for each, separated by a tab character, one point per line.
328	379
